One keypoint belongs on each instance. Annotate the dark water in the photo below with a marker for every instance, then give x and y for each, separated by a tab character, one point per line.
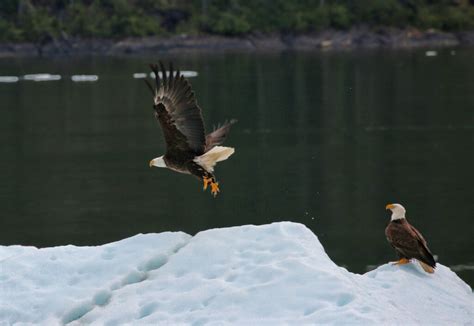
324	139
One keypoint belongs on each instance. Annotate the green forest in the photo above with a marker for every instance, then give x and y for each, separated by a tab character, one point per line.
44	20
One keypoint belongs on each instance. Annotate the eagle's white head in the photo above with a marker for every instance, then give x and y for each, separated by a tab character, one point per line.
159	162
398	211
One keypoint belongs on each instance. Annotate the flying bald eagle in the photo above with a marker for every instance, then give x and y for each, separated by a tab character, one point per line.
407	241
188	149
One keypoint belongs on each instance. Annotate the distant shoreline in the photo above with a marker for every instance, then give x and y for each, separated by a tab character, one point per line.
356	38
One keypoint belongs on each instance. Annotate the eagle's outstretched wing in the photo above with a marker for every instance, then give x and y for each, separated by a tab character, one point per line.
178	113
218	136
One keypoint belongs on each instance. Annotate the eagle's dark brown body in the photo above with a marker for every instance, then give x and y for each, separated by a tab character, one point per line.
408	242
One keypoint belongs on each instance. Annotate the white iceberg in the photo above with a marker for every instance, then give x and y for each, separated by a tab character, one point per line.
139	75
248	275
185	73
41	77
9	79
84	78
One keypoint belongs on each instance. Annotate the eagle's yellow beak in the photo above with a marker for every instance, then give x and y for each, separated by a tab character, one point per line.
389	206
151	163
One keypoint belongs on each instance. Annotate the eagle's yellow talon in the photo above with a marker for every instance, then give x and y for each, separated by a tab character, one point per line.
402	261
214	188
210	181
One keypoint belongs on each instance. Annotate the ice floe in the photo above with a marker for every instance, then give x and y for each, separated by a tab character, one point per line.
9	79
185	73
247	275
41	77
84	78
139	75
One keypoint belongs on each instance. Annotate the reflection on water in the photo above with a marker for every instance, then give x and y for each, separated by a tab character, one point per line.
324	139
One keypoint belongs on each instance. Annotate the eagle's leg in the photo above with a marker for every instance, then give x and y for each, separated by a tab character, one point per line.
208	179
214	188
402	261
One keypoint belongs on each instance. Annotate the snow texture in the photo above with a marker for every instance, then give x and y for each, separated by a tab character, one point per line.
247	275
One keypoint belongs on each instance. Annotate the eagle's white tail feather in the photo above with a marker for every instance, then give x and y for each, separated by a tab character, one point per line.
209	159
426	267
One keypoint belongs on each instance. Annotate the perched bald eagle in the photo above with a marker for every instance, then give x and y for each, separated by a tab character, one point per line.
188	149
407	241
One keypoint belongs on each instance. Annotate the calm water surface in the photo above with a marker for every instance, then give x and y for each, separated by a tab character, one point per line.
324	139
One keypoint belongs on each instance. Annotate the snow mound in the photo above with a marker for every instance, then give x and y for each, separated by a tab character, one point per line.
277	273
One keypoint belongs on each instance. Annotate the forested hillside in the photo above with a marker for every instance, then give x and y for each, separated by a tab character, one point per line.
42	20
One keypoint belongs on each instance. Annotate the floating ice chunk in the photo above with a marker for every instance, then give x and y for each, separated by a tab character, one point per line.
463	267
247	275
431	53
189	73
84	78
185	73
139	75
9	79
41	77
